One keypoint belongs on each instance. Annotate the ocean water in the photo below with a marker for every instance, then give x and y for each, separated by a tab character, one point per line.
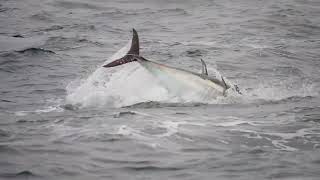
63	116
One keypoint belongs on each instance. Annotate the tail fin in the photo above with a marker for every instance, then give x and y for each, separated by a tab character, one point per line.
132	53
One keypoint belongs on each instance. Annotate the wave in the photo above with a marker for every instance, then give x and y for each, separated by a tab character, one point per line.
23	174
19	43
4	134
77	5
153	168
59	43
36	51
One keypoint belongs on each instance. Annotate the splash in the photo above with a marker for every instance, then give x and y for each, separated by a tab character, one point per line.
116	87
124	86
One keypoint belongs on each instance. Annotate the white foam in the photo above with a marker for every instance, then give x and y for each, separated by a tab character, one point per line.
156	140
40	111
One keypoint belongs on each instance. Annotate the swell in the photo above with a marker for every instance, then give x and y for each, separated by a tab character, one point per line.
152	168
11	57
34	50
113	161
22	174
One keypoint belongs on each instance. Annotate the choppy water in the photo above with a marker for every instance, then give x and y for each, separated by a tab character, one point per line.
64	117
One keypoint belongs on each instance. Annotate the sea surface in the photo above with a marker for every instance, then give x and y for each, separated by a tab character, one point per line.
63	116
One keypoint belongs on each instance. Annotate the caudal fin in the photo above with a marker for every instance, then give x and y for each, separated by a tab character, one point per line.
132	53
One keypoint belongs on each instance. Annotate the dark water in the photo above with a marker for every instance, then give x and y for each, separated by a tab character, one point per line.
64	117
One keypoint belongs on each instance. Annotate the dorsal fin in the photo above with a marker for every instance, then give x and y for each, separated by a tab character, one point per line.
204	68
134	49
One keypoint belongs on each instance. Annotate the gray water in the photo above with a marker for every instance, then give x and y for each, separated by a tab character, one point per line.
65	117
